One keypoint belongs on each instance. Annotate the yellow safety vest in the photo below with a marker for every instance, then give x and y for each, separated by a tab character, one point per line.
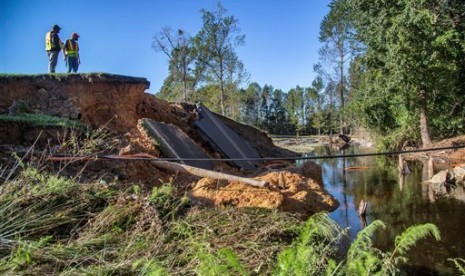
48	42
71	48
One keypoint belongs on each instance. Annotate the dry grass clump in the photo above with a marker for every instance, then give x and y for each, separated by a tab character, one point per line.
256	235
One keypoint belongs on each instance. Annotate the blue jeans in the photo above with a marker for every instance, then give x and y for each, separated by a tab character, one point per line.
73	64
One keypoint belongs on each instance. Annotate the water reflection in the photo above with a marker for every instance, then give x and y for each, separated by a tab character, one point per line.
399	200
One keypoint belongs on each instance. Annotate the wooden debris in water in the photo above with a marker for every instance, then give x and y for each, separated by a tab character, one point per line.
362	208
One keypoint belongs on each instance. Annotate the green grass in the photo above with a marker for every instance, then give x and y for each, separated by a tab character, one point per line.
63	76
54	75
96	229
41	120
52	225
11	75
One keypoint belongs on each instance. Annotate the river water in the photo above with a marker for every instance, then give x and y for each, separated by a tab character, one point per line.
399	201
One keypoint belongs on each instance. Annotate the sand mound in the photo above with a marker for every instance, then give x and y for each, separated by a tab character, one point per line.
294	193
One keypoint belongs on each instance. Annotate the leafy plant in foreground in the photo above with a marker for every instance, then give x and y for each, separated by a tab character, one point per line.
364	259
22	256
164	200
224	262
310	254
149	268
459	264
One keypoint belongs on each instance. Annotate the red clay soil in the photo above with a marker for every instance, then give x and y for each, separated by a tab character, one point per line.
448	158
294	193
456	156
138	142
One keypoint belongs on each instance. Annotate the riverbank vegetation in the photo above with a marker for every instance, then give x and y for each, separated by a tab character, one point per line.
52	225
40	120
20	112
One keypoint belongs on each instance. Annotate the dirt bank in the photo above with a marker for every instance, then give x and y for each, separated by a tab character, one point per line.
112	105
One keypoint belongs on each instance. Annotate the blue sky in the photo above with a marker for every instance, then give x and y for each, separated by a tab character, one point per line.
116	36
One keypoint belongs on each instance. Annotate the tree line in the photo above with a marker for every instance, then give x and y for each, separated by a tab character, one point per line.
394	67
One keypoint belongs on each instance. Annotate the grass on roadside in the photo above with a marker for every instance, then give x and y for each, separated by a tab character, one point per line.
41	120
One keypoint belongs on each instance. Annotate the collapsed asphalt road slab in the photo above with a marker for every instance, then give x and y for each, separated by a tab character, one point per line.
174	143
225	140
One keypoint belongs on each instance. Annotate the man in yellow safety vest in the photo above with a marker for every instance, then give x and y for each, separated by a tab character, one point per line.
71	51
53	46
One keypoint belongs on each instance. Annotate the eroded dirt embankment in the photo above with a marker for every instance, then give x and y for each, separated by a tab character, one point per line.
115	104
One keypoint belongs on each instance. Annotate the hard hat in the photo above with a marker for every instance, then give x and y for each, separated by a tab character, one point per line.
56	27
75	35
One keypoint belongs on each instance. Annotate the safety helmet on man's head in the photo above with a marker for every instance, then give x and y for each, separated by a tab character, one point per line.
56	27
75	35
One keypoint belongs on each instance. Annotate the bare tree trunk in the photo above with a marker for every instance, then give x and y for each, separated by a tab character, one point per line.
341	93
184	86
330	122
424	129
222	87
425	136
222	99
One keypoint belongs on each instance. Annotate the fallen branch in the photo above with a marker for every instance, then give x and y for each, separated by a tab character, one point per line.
172	166
207	173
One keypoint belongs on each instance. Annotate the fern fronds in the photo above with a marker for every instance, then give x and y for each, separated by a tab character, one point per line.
404	242
310	253
319	225
459	264
334	269
363	240
411	235
362	258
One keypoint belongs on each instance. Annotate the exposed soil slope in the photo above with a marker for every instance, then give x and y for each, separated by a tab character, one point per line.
114	105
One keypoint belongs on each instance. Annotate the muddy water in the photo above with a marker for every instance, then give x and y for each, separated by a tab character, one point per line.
399	201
